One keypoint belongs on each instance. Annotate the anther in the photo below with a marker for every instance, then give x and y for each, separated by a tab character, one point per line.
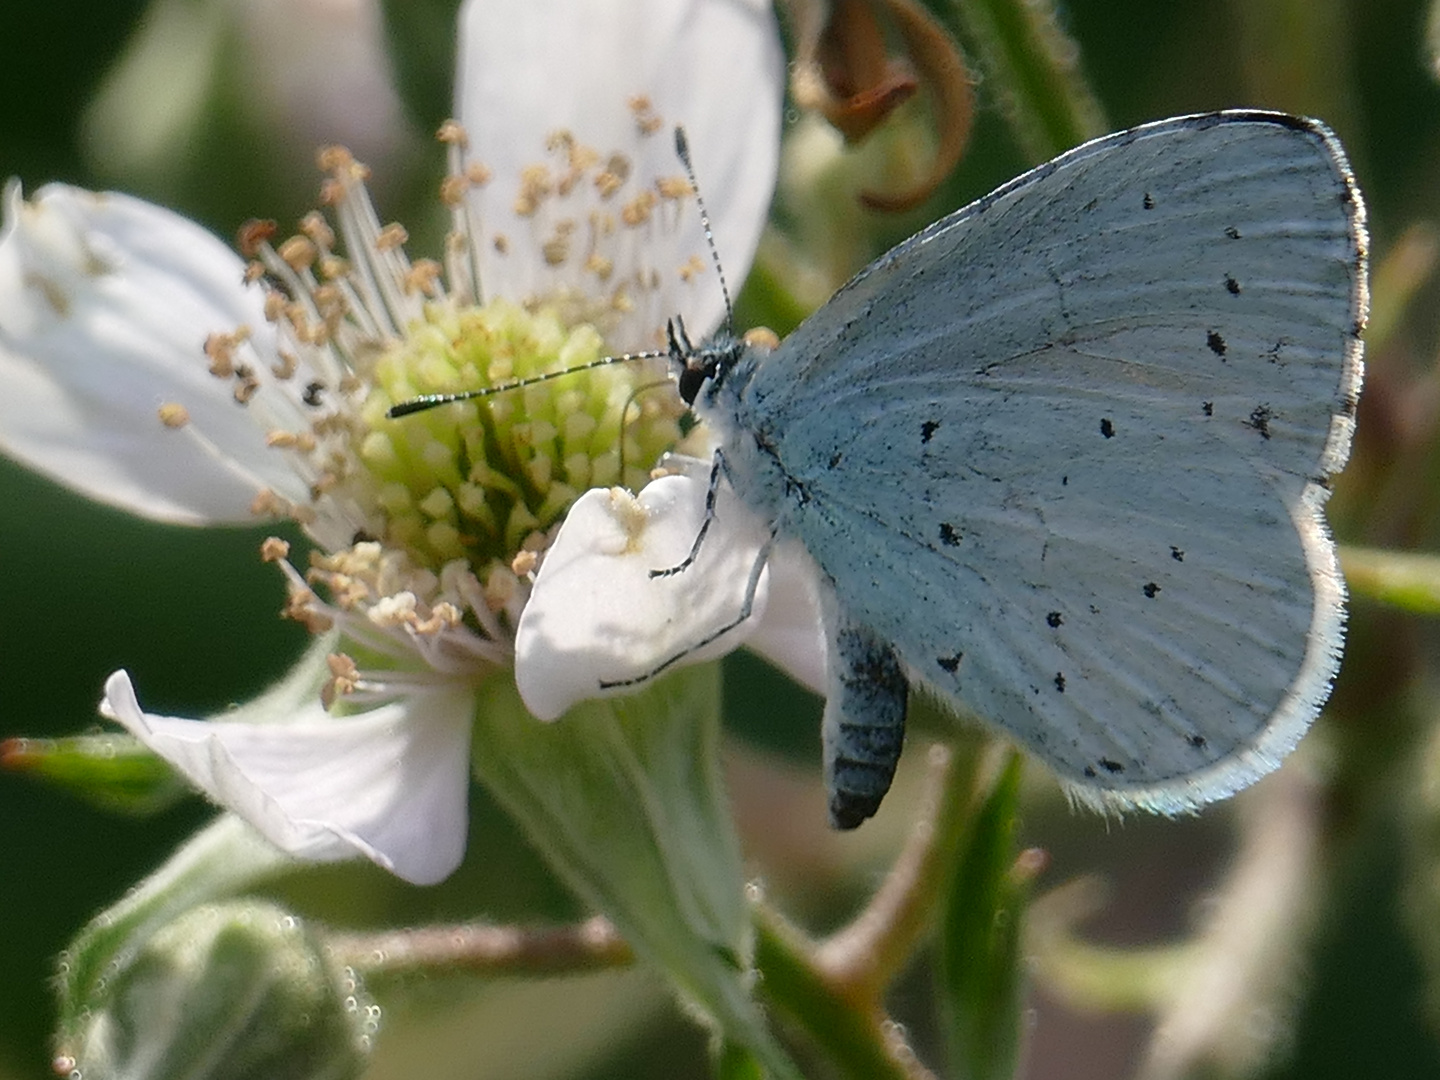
298	252
344	678
268	504
647	120
173	415
318	230
637	211
285	365
334	159
674	187
693	266
391	237
453	133
453	190
252	235
424	277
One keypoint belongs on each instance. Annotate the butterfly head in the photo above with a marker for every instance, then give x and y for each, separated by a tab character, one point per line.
697	365
712	361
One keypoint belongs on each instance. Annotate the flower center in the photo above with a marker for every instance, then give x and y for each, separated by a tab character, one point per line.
428	527
482	479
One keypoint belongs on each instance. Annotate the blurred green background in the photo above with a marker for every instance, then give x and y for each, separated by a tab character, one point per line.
191	614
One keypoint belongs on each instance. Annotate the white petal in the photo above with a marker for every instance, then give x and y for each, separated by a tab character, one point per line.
714	66
597	616
390	783
320	73
105	305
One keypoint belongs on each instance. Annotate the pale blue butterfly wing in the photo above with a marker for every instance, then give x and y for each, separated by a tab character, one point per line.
1064	455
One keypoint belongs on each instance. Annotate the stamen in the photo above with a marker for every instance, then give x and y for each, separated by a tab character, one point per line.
647	120
435	525
173	415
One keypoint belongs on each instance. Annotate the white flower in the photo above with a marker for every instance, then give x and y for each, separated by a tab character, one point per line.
598	618
148	367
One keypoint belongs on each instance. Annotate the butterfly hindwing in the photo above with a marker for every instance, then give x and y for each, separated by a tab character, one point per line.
1066	450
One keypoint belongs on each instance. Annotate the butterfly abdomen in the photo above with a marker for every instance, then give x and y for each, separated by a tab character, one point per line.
864	726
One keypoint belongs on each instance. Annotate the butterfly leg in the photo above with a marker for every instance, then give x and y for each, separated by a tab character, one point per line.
864	725
747	606
717	470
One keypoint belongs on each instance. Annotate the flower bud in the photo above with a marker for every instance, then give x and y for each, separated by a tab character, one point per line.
225	992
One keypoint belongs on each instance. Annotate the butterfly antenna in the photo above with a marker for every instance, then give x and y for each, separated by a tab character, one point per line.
434	401
682	151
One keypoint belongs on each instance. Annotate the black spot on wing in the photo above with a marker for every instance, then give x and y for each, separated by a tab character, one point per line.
1107	428
1216	343
1111	766
1232	286
835	458
1197	741
1260	420
1148	202
1232	232
312	393
1054	619
1060	681
1090	772
950	664
928	429
1177	554
948	536
1208	408
1151	590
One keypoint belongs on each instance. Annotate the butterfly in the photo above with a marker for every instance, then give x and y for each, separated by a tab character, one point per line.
1062	457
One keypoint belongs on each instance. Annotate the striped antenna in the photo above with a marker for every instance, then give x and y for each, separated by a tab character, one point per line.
683	344
434	401
682	151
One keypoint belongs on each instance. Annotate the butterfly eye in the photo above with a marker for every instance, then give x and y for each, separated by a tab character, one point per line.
692	377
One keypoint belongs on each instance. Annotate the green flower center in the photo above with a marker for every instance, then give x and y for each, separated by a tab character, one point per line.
474	480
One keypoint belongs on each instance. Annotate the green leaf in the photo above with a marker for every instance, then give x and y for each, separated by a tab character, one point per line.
979	963
623	798
1035	68
114	772
734	1062
422	40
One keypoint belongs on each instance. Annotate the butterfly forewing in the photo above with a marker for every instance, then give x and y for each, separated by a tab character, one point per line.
1067	448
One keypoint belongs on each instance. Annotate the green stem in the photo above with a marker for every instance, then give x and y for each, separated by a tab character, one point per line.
482	949
866	956
850	1031
1036	68
835	991
1403	579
